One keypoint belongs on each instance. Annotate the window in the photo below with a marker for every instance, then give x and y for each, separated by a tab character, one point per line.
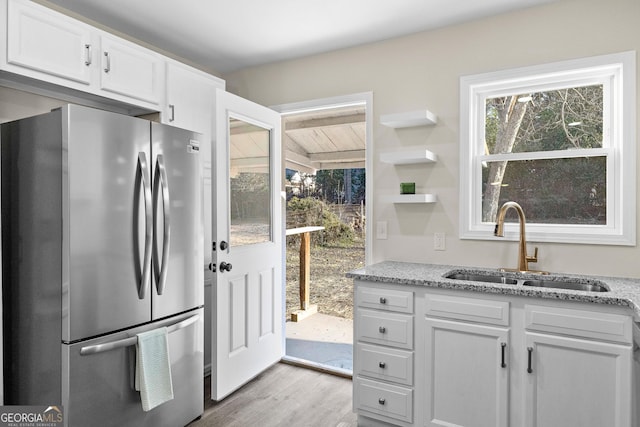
559	139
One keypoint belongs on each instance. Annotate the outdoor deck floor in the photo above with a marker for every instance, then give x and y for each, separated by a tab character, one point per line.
323	341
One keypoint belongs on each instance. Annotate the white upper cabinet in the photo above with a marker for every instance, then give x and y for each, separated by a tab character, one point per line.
130	70
49	47
190	97
48	43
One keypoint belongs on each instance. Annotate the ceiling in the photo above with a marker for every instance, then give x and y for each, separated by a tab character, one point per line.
325	139
224	36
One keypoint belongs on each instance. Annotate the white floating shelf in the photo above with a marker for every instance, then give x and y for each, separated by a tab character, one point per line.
409	119
417	155
411	198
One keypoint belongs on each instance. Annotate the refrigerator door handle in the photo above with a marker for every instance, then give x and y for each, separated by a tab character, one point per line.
148	223
126	342
161	184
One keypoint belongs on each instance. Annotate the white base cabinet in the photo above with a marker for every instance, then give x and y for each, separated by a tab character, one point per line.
466	368
384	357
576	382
487	360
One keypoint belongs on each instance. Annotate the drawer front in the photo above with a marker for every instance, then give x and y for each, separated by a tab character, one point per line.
385	299
385	363
385	328
469	309
579	323
384	399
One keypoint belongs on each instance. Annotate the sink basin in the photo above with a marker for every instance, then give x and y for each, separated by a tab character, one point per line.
487	278
589	287
546	282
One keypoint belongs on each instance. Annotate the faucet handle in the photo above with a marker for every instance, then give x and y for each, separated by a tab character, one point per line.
533	258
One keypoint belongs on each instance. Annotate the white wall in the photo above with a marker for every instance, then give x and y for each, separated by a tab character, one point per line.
16	104
422	71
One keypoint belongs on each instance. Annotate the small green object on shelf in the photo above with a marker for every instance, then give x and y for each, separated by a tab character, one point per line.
407	188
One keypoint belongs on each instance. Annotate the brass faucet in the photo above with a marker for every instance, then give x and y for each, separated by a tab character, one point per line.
523	258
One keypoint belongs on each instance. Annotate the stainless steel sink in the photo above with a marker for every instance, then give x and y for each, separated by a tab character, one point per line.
557	284
547	282
487	278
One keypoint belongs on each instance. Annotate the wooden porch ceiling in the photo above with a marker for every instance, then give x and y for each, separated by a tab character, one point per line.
325	139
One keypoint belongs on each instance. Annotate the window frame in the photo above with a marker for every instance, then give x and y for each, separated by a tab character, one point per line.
617	72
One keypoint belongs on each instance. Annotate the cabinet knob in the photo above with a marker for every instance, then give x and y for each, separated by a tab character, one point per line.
382	365
382	329
383	300
381	400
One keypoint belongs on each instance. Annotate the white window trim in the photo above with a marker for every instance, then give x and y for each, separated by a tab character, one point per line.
618	73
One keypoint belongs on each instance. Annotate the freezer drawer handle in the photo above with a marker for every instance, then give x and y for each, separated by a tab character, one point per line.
148	221
161	184
125	342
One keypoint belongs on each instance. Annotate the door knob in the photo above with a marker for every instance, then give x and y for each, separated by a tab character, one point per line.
225	266
224	245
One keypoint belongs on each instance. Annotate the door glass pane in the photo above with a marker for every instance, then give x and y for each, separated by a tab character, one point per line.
249	178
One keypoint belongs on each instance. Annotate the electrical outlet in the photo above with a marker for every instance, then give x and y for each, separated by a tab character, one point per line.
439	241
381	230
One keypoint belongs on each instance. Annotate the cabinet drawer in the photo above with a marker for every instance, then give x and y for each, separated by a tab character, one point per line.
385	328
385	299
385	363
384	399
469	309
579	323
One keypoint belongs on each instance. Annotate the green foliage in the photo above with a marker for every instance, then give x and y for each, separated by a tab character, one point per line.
311	212
330	185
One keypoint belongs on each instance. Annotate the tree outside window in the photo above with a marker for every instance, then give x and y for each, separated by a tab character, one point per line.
560	190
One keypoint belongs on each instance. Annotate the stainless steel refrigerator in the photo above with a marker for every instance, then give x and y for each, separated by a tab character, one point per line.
102	234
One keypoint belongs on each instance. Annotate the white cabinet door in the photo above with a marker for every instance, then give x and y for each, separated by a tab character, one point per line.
574	382
190	98
48	43
131	70
467	374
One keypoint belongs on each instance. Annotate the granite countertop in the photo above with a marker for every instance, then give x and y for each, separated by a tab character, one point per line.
622	291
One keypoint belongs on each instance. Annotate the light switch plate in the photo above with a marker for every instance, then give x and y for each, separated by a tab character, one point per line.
439	242
381	230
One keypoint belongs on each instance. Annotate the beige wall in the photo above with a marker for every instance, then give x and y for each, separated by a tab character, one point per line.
422	71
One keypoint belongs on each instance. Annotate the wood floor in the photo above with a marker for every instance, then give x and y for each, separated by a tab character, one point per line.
284	395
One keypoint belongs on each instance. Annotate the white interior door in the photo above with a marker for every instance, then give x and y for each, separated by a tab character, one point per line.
248	319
